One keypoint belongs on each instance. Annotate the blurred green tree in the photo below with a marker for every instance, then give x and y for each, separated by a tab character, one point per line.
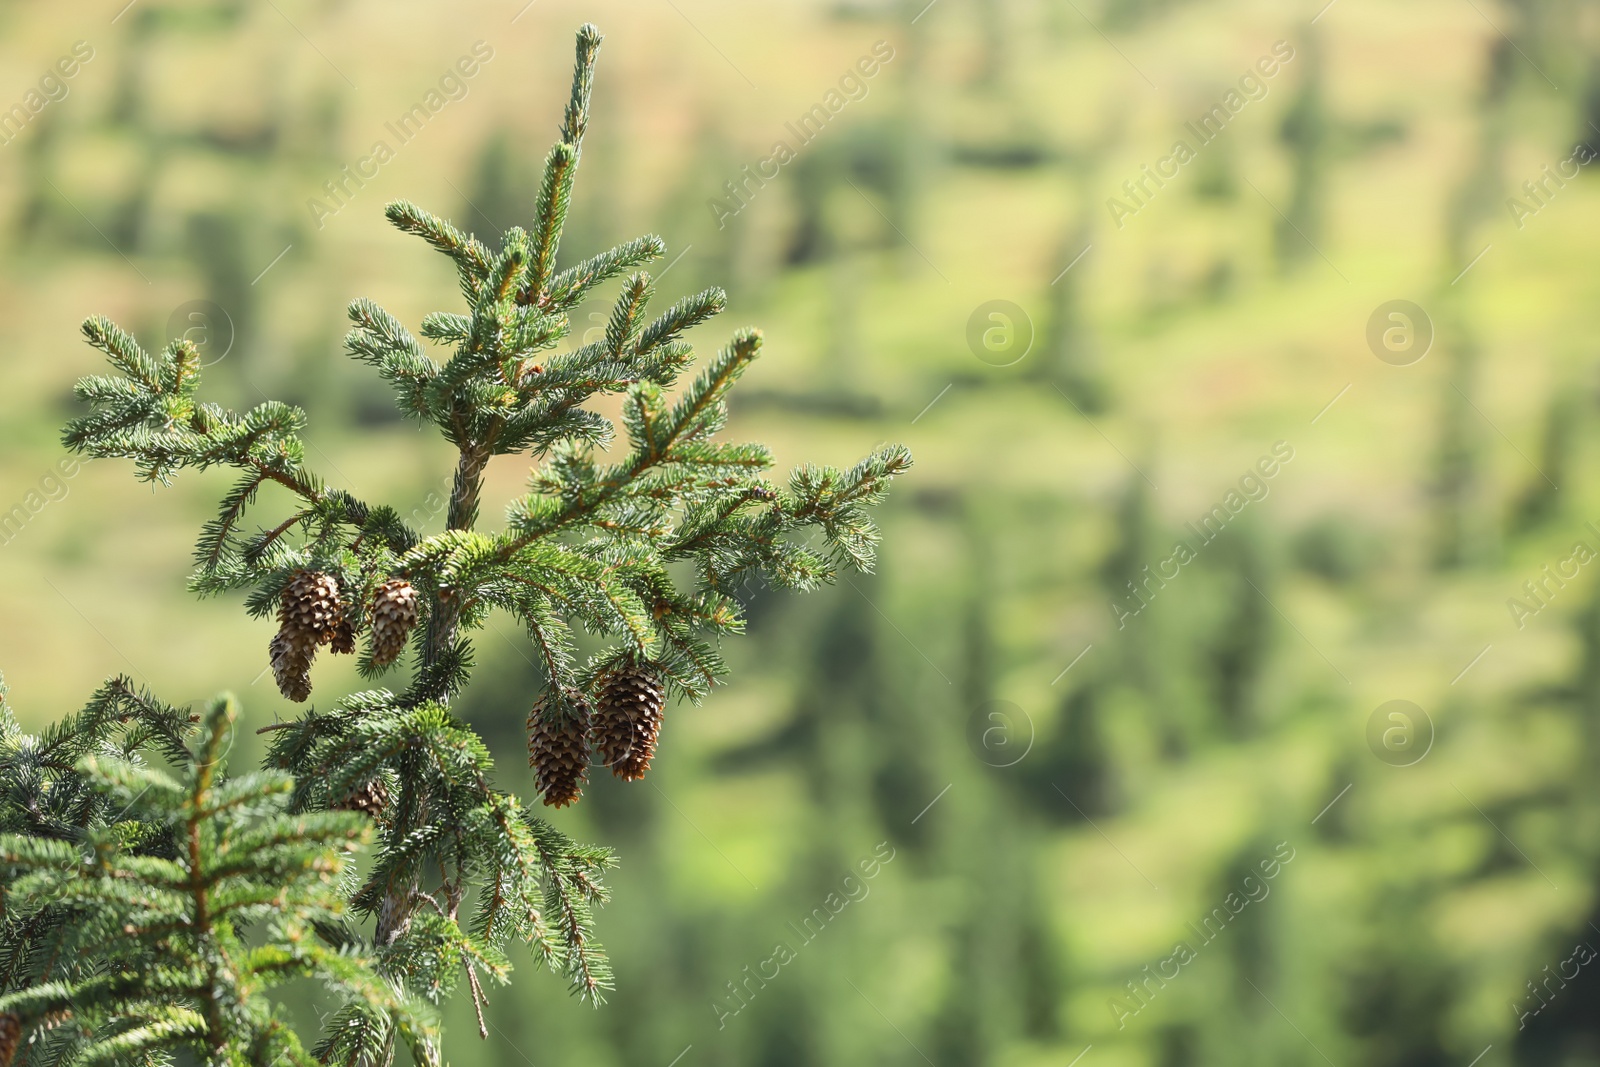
1457	486
1068	353
1541	501
1305	133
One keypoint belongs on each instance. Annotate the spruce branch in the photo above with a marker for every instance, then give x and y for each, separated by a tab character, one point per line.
151	904
573	285
555	193
633	544
576	120
470	255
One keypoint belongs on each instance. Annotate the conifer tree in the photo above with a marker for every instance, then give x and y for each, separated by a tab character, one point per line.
1456	486
1541	500
1074	775
1130	586
1305	134
1238	652
1068	357
842	693
1480	194
1398	992
914	159
1583	689
639	544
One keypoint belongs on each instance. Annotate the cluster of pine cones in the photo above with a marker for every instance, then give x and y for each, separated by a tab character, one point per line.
313	613
623	725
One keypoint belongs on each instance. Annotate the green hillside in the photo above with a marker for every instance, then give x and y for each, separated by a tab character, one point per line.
1059	744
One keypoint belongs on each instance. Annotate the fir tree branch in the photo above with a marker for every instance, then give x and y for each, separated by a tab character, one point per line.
123	888
575	123
169	970
555	193
470	256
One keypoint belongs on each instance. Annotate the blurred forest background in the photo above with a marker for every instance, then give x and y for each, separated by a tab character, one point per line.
1065	799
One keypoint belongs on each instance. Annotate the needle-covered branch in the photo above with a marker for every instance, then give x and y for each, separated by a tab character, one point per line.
620	565
432	762
156	899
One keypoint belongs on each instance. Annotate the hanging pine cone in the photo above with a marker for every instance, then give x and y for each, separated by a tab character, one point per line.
310	608
629	703
558	750
10	1037
371	799
343	641
291	666
394	613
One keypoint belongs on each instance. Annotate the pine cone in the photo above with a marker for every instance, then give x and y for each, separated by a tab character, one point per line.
310	608
291	666
10	1037
629	703
394	614
371	799
558	750
343	642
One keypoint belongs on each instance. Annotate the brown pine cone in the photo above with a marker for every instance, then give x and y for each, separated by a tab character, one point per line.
291	666
343	641
394	614
629	704
310	608
371	799
558	749
10	1037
